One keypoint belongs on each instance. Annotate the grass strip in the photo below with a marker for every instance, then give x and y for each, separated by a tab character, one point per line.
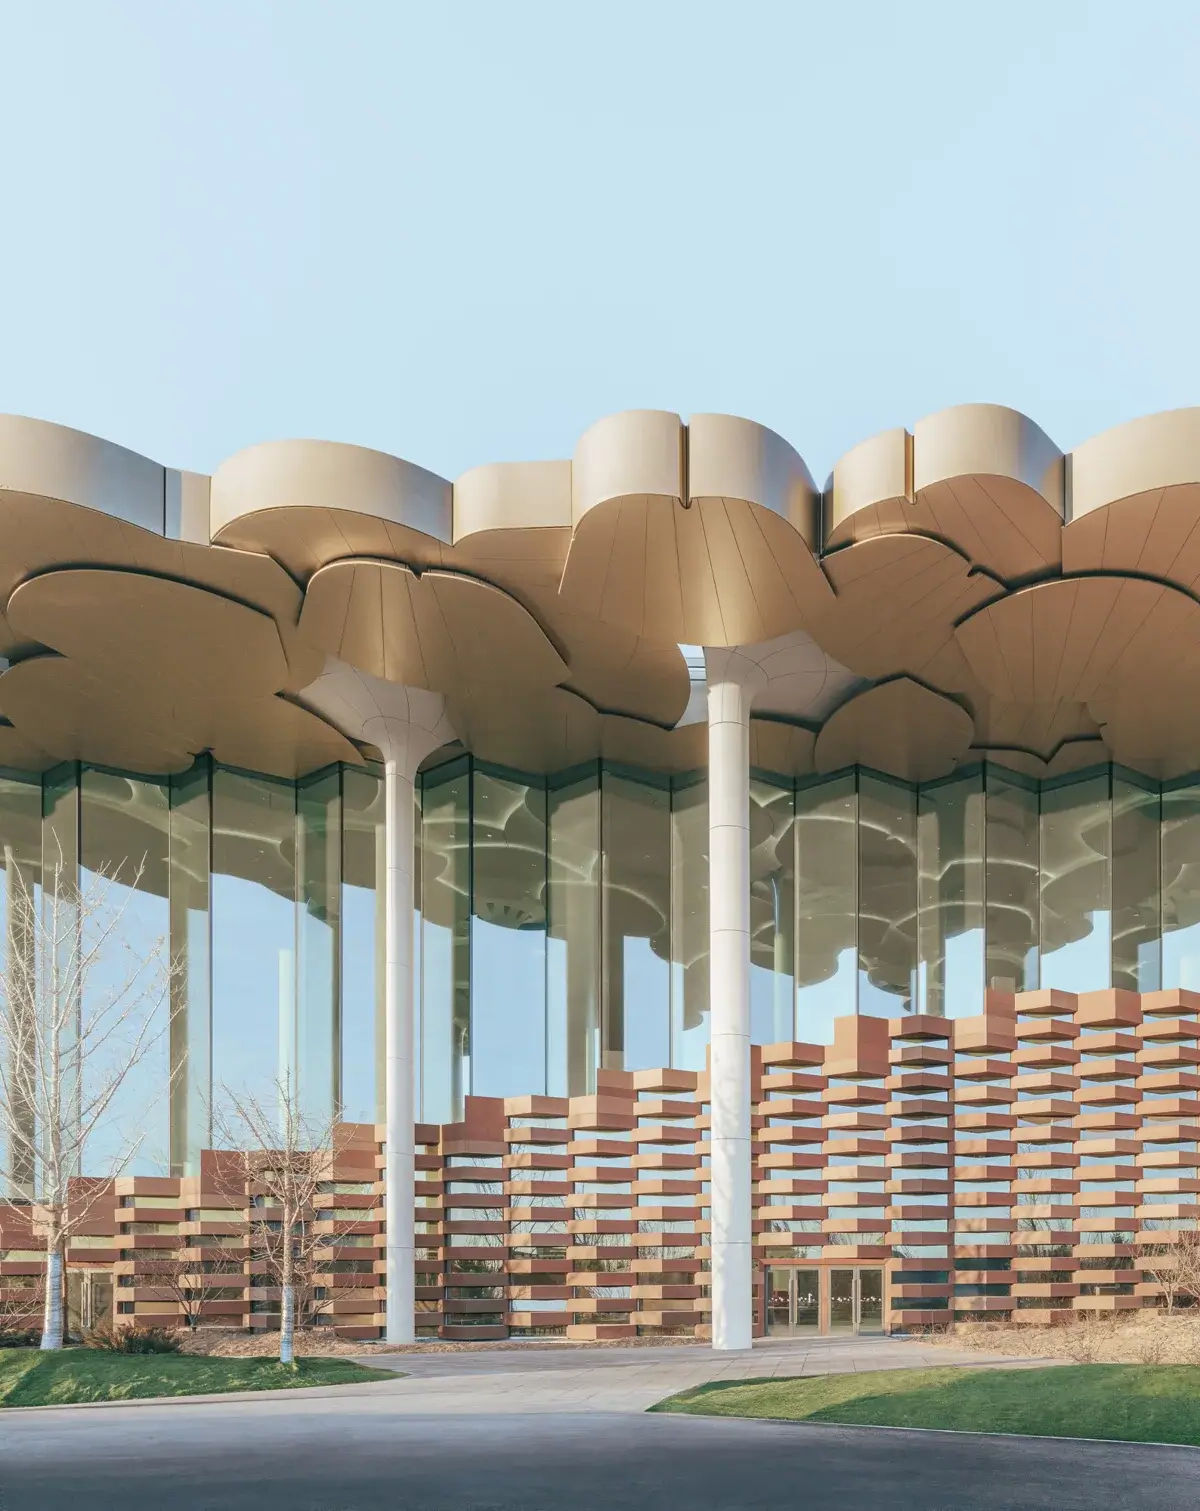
1136	1403
29	1378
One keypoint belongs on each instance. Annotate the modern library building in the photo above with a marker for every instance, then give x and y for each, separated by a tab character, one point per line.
710	904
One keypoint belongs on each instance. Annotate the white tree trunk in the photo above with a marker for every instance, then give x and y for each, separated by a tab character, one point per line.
52	1318
287	1326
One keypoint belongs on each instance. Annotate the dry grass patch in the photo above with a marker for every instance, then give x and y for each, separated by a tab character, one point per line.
1142	1337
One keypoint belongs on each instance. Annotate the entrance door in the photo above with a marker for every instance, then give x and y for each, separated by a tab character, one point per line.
856	1300
793	1301
89	1300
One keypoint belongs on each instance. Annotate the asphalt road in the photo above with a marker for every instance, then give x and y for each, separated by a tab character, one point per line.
356	1454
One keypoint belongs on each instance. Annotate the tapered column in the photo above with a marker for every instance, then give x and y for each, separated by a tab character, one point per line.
406	724
732	682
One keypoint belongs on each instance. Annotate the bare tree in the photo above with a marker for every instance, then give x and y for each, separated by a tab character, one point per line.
282	1161
80	1009
192	1283
1174	1266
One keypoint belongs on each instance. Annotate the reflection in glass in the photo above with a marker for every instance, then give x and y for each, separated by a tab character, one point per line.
636	829
826	872
1135	885
445	941
124	836
362	968
318	944
1012	882
254	934
1076	886
950	828
887	897
772	913
573	945
21	839
689	925
508	937
191	950
1181	888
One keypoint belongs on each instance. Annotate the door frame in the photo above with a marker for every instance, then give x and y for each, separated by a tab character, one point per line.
823	1267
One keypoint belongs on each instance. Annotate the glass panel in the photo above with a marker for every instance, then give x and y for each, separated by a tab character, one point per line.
21	839
689	926
254	935
60	876
841	1301
636	822
1012	884
363	882
950	826
318	945
779	1307
772	913
887	895
1076	890
508	938
1135	887
808	1301
445	941
1181	888
573	945
191	1022
826	872
125	839
870	1300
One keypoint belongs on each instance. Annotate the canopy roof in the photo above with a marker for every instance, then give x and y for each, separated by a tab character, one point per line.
960	591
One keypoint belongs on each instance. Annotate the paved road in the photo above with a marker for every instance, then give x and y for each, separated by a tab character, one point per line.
441	1441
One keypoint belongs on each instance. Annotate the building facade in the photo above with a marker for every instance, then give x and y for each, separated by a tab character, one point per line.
708	902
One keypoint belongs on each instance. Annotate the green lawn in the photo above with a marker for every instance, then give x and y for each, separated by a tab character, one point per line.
29	1378
1139	1403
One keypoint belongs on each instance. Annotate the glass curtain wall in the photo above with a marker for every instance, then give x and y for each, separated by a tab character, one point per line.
1076	885
508	1036
253	901
826	883
635	820
1012	873
362	943
1181	887
124	883
445	942
318	947
1136	863
573	935
689	925
887	897
950	897
191	950
562	922
772	912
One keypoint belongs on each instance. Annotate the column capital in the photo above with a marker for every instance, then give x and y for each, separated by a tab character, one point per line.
405	723
724	664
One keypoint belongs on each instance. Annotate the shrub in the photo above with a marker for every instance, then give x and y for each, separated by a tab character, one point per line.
133	1339
20	1337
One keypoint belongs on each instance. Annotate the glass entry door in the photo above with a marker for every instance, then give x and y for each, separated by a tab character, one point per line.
793	1301
856	1300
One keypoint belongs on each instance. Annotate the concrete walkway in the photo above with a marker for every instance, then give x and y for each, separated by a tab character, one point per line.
634	1379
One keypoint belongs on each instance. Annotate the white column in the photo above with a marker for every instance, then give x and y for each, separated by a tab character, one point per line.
406	724
732	682
400	1080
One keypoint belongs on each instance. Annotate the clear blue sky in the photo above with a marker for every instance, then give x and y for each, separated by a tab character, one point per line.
463	231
